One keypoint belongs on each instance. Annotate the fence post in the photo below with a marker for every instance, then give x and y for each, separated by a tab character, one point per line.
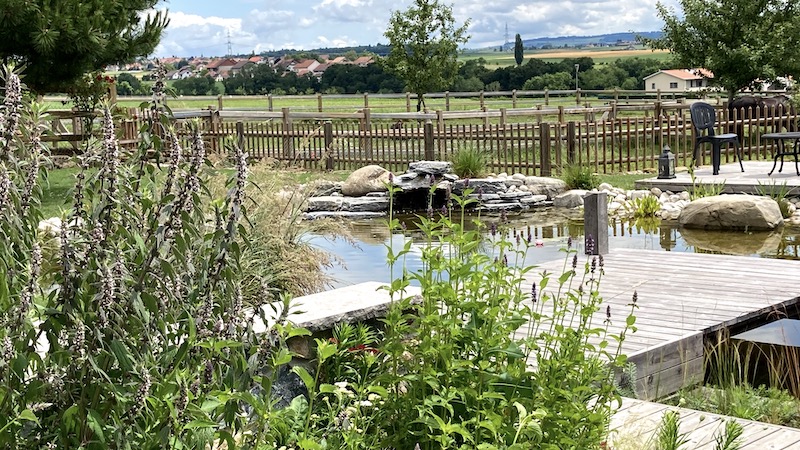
502	129
408	101
440	129
481	100
240	135
560	113
288	141
544	150
616	95
319	101
577	96
595	223
447	100
657	109
570	142
269	102
366	132
514	99
546	97
327	131
366	101
219	102
658	95
428	128
214	125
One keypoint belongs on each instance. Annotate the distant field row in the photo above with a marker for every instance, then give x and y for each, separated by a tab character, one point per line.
599	55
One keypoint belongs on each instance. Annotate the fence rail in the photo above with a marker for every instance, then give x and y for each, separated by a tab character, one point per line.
533	141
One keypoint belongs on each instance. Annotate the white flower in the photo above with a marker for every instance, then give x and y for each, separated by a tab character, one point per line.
341	384
365	403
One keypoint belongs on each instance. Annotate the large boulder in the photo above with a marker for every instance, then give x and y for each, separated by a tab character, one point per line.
570	199
480	185
732	212
551	187
367	179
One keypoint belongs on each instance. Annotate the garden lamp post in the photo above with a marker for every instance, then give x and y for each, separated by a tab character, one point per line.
666	164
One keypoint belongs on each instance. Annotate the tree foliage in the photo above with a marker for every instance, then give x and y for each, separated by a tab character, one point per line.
518	50
59	41
424	41
740	41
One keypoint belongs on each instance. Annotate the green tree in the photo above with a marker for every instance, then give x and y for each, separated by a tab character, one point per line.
739	41
550	81
59	41
128	84
424	41
518	50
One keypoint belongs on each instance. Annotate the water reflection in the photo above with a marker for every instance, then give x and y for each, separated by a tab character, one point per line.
551	228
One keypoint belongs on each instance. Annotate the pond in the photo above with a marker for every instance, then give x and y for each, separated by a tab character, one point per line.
550	228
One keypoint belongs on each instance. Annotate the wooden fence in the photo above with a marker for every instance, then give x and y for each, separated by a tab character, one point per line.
533	141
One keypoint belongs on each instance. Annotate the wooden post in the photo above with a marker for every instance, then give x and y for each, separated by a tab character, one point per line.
319	102
514	99
560	113
447	100
616	95
577	96
366	101
112	93
269	102
408	101
595	223
546	97
366	132
240	135
544	150
429	151
658	95
327	130
288	141
219	102
502	130
657	109
440	129
571	142
481	100
215	124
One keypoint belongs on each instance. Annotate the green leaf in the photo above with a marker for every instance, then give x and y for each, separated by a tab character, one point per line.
308	380
95	423
200	423
28	416
122	355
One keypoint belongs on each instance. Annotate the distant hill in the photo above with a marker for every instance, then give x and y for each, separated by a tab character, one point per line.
582	41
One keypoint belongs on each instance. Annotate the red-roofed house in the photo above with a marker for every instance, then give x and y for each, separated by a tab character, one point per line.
221	65
363	61
305	66
678	80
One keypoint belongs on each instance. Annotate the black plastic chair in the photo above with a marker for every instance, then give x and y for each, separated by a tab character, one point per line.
703	119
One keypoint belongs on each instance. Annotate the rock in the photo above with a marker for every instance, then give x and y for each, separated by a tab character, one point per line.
485	197
570	199
518	176
51	226
515	195
367	179
551	187
326	203
378	194
502	175
620	198
638	193
513	182
605	187
411	181
613	206
533	200
324	188
732	212
365	204
656	191
484	185
431	167
450	177
507	206
685	196
342	215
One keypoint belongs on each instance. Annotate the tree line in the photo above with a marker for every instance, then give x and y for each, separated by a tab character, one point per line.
472	76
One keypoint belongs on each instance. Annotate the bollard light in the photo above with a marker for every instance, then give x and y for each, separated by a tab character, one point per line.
666	164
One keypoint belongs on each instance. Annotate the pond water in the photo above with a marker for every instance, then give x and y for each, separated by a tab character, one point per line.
550	227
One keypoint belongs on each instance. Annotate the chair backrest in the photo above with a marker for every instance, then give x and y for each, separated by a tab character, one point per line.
703	117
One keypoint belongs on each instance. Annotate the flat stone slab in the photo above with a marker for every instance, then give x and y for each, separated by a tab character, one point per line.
343	215
501	206
356	303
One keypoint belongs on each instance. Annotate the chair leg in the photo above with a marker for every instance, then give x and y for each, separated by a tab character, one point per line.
739	154
715	157
694	154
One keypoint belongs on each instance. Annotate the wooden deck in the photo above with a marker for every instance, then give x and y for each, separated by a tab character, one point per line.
682	298
634	425
734	180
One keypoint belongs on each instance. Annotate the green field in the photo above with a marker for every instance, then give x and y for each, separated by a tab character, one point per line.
599	55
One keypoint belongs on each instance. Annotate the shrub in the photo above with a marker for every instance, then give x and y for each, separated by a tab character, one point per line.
779	193
579	177
470	162
645	207
453	370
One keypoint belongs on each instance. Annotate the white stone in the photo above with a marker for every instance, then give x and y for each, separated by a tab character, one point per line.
605	187
372	178
674	198
638	193
685	196
613	206
502	175
570	199
656	191
736	211
620	198
518	176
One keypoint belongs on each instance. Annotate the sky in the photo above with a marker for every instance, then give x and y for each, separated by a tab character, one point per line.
204	27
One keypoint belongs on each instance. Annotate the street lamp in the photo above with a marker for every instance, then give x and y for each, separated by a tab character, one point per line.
577	66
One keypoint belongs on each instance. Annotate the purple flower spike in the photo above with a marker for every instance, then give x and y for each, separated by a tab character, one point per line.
533	292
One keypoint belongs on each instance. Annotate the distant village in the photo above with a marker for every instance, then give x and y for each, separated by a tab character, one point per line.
222	68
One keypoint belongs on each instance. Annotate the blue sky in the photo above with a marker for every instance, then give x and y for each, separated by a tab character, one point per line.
201	27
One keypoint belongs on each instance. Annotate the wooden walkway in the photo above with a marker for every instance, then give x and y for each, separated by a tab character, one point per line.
635	424
683	297
731	177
